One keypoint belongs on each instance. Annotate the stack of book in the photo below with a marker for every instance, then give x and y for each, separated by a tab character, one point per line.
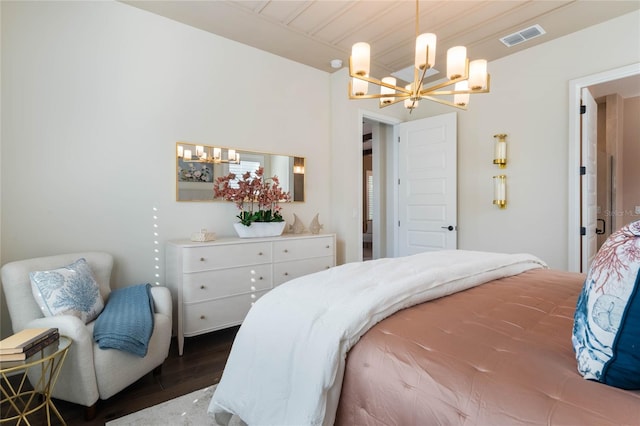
27	342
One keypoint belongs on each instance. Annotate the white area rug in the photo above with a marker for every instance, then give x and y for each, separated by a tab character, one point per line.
186	410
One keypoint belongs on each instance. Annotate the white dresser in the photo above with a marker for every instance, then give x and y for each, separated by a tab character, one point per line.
213	284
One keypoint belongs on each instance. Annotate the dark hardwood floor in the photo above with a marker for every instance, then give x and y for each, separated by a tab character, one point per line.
201	365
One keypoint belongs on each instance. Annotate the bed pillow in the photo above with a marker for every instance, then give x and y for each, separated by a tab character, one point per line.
606	328
70	290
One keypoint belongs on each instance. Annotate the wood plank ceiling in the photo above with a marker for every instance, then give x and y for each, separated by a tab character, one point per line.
314	32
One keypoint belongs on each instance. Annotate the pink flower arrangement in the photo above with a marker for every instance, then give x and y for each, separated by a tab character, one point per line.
256	197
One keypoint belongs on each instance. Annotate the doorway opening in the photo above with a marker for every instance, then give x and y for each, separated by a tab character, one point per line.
616	186
377	190
367	190
618	183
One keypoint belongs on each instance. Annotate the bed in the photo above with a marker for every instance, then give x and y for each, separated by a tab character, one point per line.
452	337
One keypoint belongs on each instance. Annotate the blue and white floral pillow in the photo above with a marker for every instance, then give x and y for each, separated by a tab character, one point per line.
70	290
606	328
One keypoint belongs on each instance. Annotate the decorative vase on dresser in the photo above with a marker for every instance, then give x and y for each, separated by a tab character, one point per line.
260	229
214	284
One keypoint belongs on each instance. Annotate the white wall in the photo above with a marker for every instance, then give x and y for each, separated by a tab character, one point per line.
529	102
94	97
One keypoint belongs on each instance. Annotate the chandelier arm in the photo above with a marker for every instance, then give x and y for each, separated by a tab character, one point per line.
448	82
418	84
454	92
445	102
433	90
395	101
378	96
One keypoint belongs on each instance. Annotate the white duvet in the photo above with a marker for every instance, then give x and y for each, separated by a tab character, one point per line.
287	361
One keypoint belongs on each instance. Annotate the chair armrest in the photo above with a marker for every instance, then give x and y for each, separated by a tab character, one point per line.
162	300
77	381
67	325
74	328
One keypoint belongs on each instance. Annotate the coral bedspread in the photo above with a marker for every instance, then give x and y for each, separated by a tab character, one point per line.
497	354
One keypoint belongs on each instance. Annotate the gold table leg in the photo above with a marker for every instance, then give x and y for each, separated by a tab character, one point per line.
18	401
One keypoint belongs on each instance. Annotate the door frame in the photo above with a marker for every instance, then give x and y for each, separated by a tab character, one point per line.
391	171
574	206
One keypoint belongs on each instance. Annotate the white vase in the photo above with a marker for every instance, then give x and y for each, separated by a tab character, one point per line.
260	229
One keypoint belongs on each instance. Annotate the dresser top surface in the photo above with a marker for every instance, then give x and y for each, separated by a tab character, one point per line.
235	240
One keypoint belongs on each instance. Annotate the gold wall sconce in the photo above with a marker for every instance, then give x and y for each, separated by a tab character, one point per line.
500	191
500	150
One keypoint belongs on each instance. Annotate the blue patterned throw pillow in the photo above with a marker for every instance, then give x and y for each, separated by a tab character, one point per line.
606	328
70	290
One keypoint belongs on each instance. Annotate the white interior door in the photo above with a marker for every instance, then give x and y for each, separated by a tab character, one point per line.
588	182
427	204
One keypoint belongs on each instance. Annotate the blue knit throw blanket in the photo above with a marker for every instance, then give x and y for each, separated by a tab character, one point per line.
126	323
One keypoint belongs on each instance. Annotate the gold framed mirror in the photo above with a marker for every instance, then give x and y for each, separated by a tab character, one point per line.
198	166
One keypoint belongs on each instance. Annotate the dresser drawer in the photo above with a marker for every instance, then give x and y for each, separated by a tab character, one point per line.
292	249
286	271
217	314
200	286
225	256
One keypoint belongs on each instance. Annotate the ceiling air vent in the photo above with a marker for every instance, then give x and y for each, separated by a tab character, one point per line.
522	35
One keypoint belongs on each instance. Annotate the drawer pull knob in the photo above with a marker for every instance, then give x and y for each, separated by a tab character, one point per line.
286	273
260	278
201	316
259	253
328	246
328	267
202	259
202	287
286	251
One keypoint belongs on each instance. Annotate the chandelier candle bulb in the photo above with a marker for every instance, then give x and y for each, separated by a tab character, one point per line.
456	62
461	99
361	54
410	103
187	154
478	74
360	87
425	51
387	91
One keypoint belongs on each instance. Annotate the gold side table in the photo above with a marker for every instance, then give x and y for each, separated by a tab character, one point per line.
18	400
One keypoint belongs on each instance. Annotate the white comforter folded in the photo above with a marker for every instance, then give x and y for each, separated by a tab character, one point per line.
287	361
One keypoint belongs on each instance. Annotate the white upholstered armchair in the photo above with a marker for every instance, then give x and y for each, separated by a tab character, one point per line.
89	373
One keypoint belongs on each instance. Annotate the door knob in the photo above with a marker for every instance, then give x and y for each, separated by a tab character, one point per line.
450	227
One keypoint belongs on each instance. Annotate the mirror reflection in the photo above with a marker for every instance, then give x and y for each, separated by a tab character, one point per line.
198	166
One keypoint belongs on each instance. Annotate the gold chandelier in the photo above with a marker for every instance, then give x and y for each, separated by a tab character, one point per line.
466	77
